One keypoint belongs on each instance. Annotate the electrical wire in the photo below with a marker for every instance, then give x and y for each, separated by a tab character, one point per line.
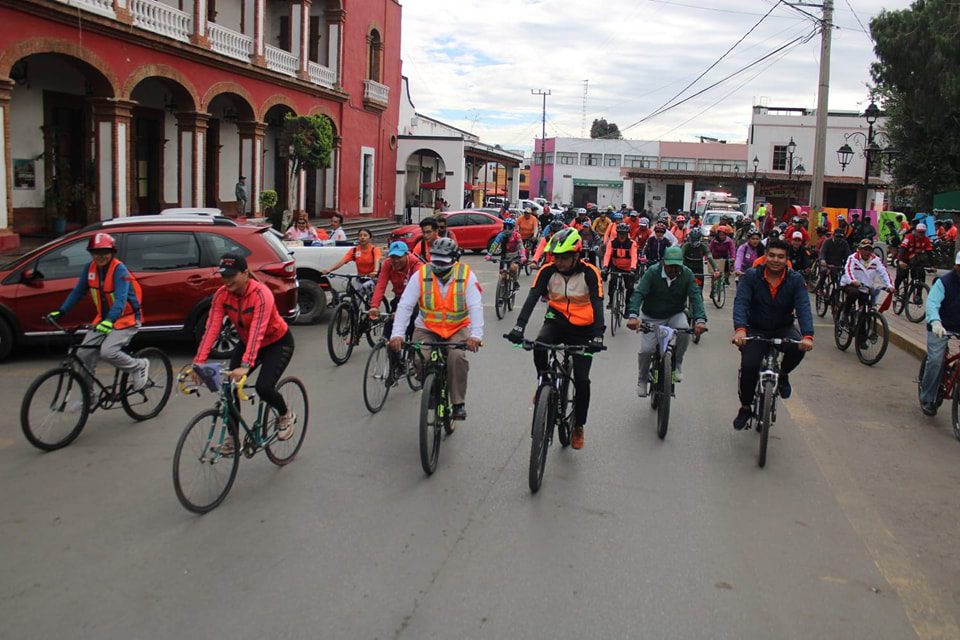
862	28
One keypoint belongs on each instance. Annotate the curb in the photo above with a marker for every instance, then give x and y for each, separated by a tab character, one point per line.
908	344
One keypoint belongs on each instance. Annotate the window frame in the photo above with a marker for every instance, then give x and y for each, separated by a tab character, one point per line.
778	159
132	265
367	186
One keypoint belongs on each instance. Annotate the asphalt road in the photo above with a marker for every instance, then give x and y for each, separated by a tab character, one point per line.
849	532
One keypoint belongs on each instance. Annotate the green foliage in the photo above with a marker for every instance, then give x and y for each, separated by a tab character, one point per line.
268	199
917	78
309	140
603	129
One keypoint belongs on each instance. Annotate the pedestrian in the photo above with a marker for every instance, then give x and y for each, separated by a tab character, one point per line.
241	194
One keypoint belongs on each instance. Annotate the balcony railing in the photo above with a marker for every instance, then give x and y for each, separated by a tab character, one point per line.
102	7
162	19
322	75
376	92
230	43
282	61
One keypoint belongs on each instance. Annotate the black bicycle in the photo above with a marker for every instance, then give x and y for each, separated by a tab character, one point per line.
718	284
910	296
661	380
530	247
436	407
57	404
385	370
767	391
506	289
862	324
617	291
350	318
829	297
553	403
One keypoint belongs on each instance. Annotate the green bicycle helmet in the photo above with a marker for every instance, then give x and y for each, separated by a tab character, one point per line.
565	241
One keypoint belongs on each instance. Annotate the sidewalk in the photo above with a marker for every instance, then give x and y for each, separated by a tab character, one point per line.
909	336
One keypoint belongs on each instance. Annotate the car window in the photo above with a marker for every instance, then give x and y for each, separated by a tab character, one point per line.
161	251
458	220
479	218
215	245
66	261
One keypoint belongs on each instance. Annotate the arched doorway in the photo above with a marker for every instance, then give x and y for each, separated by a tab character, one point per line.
55	174
276	168
321	192
426	179
222	153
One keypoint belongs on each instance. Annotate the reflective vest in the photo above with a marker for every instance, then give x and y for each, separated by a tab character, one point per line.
620	255
444	315
103	295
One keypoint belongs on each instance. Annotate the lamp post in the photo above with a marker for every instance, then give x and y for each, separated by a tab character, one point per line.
791	149
845	153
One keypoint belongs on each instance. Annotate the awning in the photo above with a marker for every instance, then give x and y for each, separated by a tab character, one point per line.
472	187
439	184
610	184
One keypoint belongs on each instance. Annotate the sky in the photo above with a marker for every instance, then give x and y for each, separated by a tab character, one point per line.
473	64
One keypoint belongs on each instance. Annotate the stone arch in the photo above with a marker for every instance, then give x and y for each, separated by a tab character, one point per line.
161	71
227	87
273	101
324	110
104	77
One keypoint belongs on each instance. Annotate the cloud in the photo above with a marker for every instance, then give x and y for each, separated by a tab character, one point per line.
473	63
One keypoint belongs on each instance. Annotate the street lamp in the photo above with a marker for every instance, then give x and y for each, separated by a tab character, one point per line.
868	144
756	164
845	155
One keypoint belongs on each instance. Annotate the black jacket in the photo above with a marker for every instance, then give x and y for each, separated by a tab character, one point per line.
835	251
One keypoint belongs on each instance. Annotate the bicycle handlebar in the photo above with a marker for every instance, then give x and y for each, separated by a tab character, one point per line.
646	327
530	345
774	341
449	345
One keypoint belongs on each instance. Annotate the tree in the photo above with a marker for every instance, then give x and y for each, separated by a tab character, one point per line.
603	129
308	141
917	79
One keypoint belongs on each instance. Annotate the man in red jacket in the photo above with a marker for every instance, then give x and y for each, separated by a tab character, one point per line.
396	270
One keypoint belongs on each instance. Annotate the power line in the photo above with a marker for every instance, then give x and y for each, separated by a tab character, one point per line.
718	10
862	28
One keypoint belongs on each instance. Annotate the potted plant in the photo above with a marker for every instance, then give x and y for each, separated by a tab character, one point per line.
268	200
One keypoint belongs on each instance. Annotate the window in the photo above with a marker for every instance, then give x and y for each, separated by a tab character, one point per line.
722	166
641	162
215	245
590	159
375	47
779	157
161	251
677	164
611	160
479	218
523	178
458	220
64	262
366	180
567	158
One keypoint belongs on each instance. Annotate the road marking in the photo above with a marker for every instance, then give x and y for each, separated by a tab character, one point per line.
924	609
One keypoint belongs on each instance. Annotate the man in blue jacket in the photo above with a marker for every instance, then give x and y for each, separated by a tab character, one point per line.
769	298
943	318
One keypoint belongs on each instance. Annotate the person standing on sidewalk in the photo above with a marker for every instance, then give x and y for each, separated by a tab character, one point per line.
943	317
240	192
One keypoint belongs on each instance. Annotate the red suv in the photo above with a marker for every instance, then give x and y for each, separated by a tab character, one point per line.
473	229
174	257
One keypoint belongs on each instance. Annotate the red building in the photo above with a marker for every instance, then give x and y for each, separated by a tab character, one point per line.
116	107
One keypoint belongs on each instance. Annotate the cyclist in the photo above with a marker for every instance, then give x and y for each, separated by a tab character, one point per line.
723	248
694	251
428	228
833	255
447	296
943	315
657	244
574	316
621	258
507	246
443	231
633	223
747	253
366	255
949	236
611	231
601	223
914	248
767	299
798	256
397	270
864	269
529	228
591	243
843	229
797	226
679	229
642	234
265	338
555	226
661	299
118	300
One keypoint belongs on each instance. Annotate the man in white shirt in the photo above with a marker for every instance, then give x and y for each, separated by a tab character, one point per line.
864	269
337	234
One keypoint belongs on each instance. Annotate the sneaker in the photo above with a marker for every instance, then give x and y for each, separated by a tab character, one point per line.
576	438
785	388
643	390
226	448
286	426
743	417
459	412
516	286
928	409
677	375
74	407
141	376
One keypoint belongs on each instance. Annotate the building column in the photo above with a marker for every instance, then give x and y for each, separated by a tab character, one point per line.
251	162
112	134
751	191
335	20
192	133
199	36
514	192
300	33
628	192
687	195
337	162
258	57
8	239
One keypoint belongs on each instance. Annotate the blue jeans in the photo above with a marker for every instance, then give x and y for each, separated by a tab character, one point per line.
936	350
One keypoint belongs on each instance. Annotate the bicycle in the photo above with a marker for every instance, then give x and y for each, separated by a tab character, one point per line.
828	297
506	289
554	404
530	247
436	407
909	297
661	373
767	390
350	318
718	285
948	389
58	402
864	325
205	463
617	291
384	372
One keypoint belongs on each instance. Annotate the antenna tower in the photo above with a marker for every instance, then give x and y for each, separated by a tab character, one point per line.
583	121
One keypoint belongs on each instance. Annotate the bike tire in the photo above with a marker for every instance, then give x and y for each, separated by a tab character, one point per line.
198	437
35	421
613	312
282	452
765	419
149	401
567	403
511	296
955	413
842	335
665	392
871	323
430	420
917	312
822	304
415	365
374	332
539	436
501	300
651	385
899	297
719	293
340	333
375	375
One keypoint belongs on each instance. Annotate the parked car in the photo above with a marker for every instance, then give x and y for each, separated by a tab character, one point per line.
174	257
316	289
712	218
473	228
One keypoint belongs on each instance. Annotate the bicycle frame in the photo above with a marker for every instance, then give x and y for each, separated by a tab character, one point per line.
228	405
107	396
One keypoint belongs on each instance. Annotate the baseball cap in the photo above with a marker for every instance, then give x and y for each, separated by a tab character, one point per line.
673	255
866	243
398	249
797	235
231	264
644	222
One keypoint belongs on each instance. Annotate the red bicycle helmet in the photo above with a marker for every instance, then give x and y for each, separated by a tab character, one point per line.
101	241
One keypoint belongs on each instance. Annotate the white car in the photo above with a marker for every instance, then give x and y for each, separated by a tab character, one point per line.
316	288
712	218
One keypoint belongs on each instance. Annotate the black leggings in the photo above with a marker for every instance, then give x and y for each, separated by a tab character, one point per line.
751	357
553	333
272	360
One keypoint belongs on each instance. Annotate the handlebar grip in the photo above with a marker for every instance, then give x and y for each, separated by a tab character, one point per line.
240	394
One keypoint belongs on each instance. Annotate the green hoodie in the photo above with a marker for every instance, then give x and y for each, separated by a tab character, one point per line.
659	300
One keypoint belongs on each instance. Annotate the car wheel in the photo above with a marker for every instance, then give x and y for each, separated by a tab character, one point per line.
313	302
226	341
6	339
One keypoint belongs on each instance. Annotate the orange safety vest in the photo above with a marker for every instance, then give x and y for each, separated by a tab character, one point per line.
570	295
103	295
444	315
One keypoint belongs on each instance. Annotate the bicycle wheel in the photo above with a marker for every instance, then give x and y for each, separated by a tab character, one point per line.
872	338
899	296
664	391
719	293
822	303
915	303
202	474
511	294
149	401
501	299
567	403
613	309
653	382
415	365
430	420
842	329
55	409
376	383
281	452
539	436
766	415
340	333
374	331
955	413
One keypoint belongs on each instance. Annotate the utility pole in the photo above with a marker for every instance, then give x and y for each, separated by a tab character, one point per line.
542	186
823	98
583	121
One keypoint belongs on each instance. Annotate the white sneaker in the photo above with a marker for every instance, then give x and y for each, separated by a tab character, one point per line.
642	391
285	426
74	407
678	376
141	376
